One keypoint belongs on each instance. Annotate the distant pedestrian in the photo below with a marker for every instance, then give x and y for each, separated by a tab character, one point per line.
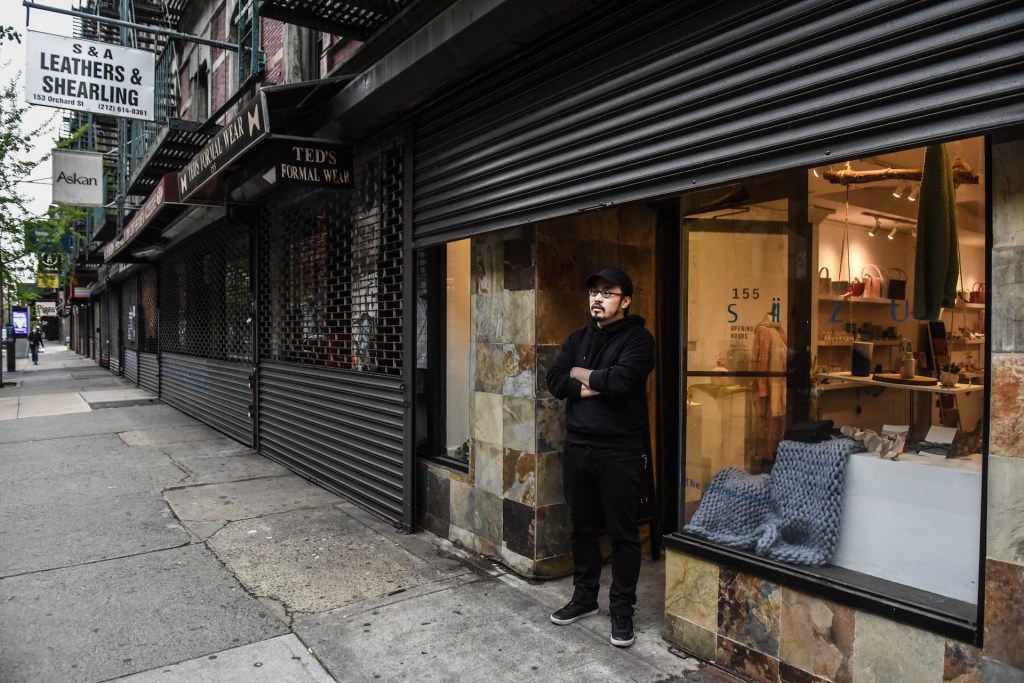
601	371
35	342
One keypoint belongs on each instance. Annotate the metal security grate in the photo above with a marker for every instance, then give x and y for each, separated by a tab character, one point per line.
205	297
103	330
148	320
130	313
114	331
331	395
331	272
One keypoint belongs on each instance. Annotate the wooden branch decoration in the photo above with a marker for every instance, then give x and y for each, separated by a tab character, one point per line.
962	175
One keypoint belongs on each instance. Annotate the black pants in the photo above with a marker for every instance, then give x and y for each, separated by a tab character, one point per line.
603	488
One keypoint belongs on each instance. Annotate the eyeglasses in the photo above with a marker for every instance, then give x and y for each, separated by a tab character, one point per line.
605	294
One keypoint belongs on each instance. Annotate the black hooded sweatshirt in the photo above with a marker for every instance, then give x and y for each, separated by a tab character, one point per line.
621	356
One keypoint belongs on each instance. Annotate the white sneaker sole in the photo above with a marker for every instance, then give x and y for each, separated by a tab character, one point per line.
566	622
622	643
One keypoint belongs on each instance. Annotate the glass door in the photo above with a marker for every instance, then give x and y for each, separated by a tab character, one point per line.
739	333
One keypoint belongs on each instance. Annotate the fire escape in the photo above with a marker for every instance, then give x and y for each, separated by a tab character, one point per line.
138	154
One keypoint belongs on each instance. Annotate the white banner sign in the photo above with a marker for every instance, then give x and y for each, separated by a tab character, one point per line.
45	308
96	77
77	178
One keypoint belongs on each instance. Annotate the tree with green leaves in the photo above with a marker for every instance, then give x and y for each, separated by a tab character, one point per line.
24	237
28	242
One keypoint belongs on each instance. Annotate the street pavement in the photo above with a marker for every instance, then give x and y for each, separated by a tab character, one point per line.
137	544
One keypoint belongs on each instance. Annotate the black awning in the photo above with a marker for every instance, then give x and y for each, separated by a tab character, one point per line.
159	209
274	113
289	106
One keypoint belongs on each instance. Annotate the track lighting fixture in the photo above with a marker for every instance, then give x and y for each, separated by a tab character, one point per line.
915	193
902	191
874	230
892	234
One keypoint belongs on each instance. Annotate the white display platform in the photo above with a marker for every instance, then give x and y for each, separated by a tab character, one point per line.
915	521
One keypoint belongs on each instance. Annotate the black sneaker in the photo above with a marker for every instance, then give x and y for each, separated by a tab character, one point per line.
574	611
622	630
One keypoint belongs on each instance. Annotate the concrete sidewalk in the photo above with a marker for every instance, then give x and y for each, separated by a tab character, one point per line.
137	544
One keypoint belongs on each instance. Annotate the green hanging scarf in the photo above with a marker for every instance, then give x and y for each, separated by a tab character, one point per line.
938	263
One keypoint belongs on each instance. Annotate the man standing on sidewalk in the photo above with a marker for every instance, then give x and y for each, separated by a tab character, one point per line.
601	371
35	340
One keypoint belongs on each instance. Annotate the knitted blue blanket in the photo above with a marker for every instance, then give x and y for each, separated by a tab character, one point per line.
791	515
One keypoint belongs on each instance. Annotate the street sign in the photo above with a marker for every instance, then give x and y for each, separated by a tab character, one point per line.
77	177
70	73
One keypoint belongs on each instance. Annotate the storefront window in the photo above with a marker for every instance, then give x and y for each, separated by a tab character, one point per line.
878	341
458	350
443	340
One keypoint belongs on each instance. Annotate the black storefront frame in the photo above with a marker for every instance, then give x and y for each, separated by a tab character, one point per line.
884	598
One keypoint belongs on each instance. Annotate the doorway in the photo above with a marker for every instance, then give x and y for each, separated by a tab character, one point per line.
744	327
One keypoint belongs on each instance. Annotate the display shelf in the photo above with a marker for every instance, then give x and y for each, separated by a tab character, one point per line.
849	378
857	299
836	386
876	342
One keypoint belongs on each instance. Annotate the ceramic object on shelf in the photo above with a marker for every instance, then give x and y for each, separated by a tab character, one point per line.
948	379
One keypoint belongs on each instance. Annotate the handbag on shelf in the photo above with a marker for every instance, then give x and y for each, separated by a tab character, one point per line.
897	285
978	293
856	288
873	288
840	287
824	281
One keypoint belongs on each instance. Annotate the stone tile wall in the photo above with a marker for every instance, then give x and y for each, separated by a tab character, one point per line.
775	634
1004	566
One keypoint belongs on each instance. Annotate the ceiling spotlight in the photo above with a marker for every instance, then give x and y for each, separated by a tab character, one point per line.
915	193
902	191
878	226
892	235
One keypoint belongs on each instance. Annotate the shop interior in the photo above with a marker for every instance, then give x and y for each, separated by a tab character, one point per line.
880	220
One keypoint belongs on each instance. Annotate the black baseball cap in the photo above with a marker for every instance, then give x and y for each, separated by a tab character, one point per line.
614	276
